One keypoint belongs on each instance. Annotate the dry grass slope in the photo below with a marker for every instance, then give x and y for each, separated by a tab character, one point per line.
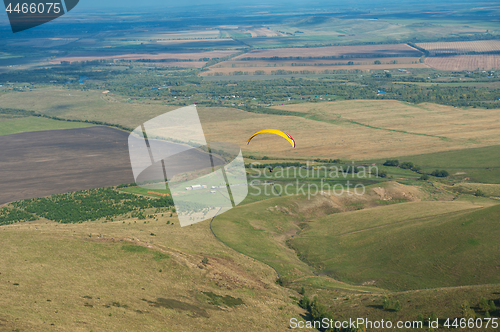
80	278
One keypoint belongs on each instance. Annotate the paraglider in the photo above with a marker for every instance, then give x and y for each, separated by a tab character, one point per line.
276	132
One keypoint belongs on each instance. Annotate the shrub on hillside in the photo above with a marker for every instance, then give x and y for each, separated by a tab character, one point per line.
391	162
440	173
407	165
479	193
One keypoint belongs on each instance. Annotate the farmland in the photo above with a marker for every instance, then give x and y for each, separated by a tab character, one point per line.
81	105
401	117
153	57
424	127
358	129
466	55
333	52
476	46
10	126
160	35
62	161
279	68
319	60
263	32
465	62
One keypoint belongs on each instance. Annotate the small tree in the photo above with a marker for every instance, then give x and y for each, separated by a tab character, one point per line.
302	291
386	303
424	177
420	318
304	302
204	260
467	312
483	304
317	310
487	314
493	307
397	306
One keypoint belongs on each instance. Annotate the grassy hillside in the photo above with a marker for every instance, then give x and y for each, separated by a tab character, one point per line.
406	246
261	229
133	275
150	273
258	229
442	303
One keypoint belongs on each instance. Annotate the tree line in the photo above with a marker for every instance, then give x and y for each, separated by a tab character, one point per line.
409	165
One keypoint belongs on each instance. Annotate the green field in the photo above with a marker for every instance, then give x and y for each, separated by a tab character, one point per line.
144	192
22	125
476	164
83	105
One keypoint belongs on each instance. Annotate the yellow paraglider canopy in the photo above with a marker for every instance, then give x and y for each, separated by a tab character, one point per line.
276	132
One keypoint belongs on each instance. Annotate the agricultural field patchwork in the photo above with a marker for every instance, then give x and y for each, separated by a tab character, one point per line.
476	46
173	56
280	68
357	129
333	52
465	62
